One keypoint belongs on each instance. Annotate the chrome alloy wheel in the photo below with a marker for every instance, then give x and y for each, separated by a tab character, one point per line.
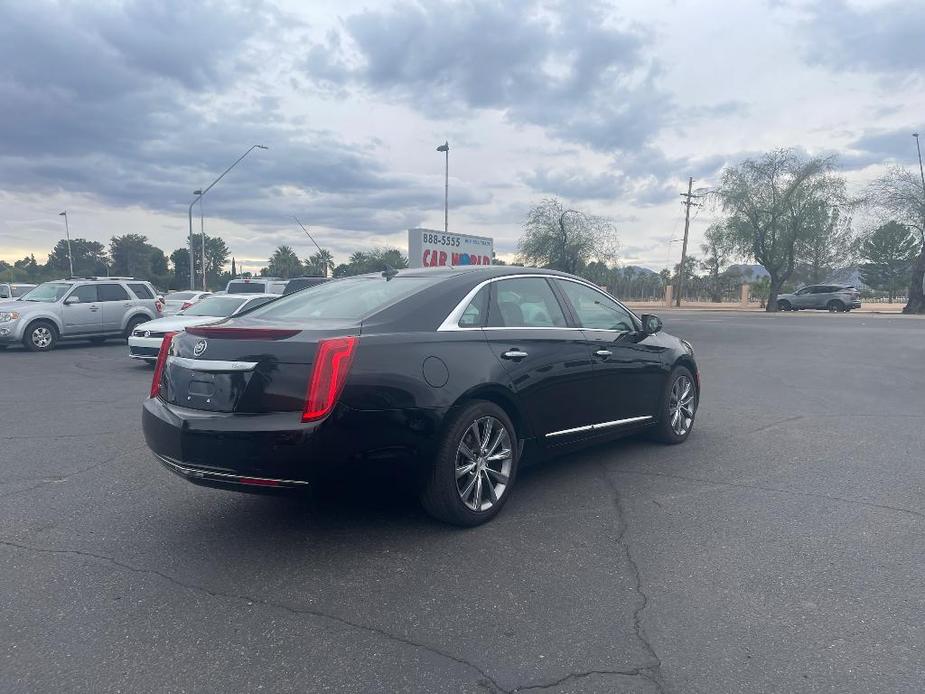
483	463
41	337
681	405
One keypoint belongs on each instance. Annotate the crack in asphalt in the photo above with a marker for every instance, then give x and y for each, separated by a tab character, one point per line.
635	672
46	480
300	611
793	492
650	672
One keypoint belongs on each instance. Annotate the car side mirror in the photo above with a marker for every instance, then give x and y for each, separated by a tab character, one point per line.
72	300
651	323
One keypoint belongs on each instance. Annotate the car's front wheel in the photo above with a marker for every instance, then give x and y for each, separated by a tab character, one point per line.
679	406
40	336
132	324
475	467
783	305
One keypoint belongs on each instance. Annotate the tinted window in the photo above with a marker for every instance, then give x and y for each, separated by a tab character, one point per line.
594	310
142	291
254	303
86	294
245	287
214	306
50	291
351	299
112	292
301	283
526	302
474	315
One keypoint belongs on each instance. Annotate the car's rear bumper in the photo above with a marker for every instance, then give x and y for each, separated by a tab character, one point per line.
221	448
855	304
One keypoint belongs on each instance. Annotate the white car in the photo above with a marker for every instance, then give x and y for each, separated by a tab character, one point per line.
177	301
145	340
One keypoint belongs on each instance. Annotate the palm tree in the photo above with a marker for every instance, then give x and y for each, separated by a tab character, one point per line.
284	263
320	263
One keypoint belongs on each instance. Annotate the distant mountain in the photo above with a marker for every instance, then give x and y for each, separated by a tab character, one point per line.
749	273
639	270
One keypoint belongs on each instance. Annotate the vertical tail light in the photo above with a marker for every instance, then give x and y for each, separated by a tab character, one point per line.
186	305
328	376
159	366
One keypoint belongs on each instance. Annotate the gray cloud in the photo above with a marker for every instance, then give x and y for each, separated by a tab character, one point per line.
110	100
879	147
883	39
576	74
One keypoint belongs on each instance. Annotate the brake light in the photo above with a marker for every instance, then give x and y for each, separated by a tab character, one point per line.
158	305
186	305
243	333
328	376
258	481
159	366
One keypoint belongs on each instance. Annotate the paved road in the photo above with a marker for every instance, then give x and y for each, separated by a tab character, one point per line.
782	549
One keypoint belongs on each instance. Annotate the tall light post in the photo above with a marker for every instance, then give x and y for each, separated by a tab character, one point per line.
192	276
202	238
445	148
67	234
921	169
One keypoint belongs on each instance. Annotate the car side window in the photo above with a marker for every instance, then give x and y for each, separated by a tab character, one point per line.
86	294
141	291
254	303
475	313
112	292
596	311
527	302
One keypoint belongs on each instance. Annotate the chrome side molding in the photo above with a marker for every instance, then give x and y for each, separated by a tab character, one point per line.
601	425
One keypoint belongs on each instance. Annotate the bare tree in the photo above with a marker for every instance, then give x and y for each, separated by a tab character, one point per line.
898	195
777	204
564	239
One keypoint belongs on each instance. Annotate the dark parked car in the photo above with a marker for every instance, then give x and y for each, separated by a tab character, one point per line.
822	297
297	284
461	371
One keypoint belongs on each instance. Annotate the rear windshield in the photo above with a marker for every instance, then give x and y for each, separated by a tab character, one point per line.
349	299
48	292
180	296
214	306
245	288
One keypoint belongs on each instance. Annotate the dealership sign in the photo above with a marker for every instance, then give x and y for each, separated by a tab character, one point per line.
430	248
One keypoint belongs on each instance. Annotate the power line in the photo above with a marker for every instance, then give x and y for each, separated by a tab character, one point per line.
688	204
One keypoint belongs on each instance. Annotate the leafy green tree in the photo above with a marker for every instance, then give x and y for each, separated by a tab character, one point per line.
90	259
565	239
889	253
899	195
180	261
320	264
376	260
284	263
216	256
717	250
777	204
133	256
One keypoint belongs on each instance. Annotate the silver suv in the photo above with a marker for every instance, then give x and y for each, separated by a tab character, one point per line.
92	308
830	297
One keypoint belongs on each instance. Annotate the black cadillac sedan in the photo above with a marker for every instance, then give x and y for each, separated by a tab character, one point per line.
460	372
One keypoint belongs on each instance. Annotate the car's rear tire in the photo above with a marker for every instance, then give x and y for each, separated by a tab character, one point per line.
678	408
475	467
835	306
784	305
40	336
132	324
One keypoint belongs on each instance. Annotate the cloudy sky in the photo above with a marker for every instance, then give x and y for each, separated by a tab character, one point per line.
116	111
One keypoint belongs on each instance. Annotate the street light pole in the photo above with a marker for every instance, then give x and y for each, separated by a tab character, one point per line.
921	169
192	276
445	148
67	233
202	239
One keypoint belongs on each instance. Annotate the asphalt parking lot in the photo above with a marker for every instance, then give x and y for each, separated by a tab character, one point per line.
781	549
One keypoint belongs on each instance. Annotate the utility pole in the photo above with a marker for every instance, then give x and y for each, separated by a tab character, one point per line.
688	203
67	232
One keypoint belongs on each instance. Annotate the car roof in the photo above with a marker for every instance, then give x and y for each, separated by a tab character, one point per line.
248	296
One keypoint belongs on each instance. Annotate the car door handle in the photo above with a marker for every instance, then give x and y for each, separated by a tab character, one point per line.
94	308
514	353
603	353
